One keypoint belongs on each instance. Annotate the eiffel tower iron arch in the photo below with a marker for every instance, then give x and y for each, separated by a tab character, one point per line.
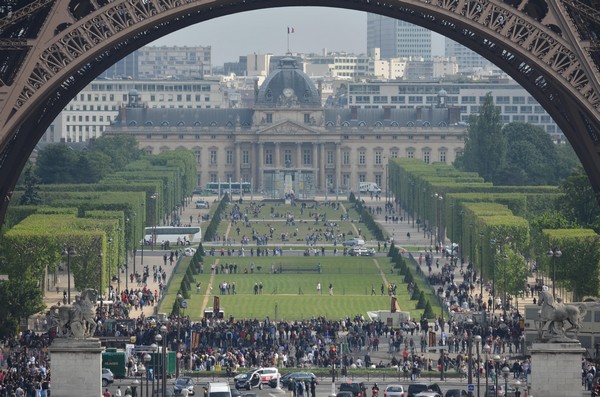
51	49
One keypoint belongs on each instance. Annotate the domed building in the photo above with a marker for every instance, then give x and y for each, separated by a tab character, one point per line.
288	142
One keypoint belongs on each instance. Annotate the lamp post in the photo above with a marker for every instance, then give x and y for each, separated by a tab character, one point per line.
68	252
180	302
554	253
143	234
469	327
440	229
147	359
496	359
505	373
135	240
109	266
486	350
126	257
162	336
154	197
477	342
142	371
154	349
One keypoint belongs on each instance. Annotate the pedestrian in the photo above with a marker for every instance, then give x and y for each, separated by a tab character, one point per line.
319	292
106	393
330	289
118	392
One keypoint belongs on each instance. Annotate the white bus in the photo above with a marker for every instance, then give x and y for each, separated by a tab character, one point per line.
369	187
175	235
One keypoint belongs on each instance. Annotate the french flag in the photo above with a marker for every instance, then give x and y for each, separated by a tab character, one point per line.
290	30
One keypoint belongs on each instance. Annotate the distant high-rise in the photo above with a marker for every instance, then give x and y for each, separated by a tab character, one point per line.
468	60
126	67
397	38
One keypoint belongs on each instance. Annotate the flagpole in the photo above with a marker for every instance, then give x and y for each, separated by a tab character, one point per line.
288	41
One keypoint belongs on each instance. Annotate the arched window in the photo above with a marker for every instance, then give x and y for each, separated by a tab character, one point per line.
132	123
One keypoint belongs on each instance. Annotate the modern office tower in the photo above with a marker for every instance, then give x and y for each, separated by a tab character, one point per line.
468	60
397	38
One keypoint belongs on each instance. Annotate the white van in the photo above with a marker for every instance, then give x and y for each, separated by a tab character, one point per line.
369	187
218	389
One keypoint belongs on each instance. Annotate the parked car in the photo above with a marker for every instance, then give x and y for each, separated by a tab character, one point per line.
428	393
235	393
353	242
394	391
285	379
416	388
358	389
184	382
455	393
202	204
358	251
268	373
107	377
248	380
509	392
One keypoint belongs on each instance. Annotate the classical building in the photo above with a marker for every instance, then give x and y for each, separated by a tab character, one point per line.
288	137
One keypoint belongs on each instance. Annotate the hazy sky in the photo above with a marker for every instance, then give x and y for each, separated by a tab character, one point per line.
265	31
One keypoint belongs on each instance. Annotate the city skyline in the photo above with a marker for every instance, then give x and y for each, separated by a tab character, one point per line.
266	31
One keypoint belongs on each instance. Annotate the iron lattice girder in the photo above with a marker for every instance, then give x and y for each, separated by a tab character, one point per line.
539	47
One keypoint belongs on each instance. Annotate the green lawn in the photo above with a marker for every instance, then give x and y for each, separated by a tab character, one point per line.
292	294
305	223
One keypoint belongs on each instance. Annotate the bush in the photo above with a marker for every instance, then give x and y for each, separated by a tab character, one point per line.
428	312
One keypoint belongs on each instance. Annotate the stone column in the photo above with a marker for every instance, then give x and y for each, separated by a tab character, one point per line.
298	155
237	162
323	166
315	165
76	367
338	165
277	155
259	166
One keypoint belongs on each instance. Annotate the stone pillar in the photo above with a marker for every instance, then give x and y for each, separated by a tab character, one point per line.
76	367
338	165
259	166
315	165
298	155
277	155
556	369
322	167
237	161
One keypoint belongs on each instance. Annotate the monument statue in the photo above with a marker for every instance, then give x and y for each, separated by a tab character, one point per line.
76	320
554	313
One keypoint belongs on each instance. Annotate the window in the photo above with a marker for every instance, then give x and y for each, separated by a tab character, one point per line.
346	181
378	158
527	109
410	154
394	154
346	158
362	157
426	155
363	99
330	157
398	99
362	178
268	156
287	157
269	118
468	99
213	178
229	155
518	100
197	153
306	157
378	179
415	99
213	157
245	157
442	157
306	118
380	99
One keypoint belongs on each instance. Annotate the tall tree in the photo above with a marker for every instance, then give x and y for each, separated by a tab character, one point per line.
57	164
121	150
579	204
485	145
531	157
31	196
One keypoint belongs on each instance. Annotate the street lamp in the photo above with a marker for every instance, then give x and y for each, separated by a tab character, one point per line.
477	342
109	267
143	235
154	218
180	302
126	257
486	350
142	371
496	359
147	359
554	253
469	328
153	349
135	240
505	373
68	252
162	336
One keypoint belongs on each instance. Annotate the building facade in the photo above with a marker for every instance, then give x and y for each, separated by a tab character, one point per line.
288	136
397	39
